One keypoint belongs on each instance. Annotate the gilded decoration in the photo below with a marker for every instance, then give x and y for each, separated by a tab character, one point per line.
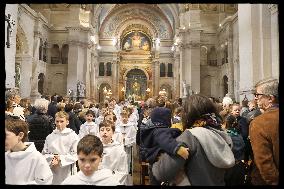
136	41
161	24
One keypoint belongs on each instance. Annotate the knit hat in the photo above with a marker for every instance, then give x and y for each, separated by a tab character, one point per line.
161	116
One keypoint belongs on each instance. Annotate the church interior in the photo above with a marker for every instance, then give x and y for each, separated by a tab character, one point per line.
136	51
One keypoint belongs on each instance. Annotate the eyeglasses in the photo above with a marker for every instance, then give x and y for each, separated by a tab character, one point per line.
258	94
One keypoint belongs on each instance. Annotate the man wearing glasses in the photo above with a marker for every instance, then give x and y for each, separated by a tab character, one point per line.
264	135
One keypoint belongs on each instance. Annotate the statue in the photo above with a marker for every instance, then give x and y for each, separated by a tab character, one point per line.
126	45
136	87
186	90
81	89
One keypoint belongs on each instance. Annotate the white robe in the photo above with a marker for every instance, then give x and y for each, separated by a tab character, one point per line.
115	159
65	145
129	131
27	167
88	128
102	177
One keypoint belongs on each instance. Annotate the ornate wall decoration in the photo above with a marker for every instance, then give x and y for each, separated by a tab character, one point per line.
134	41
208	7
145	13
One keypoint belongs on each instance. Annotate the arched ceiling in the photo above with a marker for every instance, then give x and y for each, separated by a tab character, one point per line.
113	17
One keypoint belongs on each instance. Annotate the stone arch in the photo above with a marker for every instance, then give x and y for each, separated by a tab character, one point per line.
203	55
150	13
101	93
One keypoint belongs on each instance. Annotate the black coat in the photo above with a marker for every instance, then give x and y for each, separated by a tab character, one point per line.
40	126
74	122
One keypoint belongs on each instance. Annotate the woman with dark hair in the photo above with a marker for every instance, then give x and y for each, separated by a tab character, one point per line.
209	146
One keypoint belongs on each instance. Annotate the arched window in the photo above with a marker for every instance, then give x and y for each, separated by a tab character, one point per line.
162	70
55	54
45	51
101	69
225	83
40	49
65	49
170	70
108	70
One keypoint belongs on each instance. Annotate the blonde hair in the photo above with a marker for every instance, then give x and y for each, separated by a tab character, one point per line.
62	114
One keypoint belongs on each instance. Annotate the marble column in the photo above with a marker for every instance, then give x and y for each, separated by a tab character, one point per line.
156	76
230	62
191	59
176	75
253	55
274	39
115	76
78	58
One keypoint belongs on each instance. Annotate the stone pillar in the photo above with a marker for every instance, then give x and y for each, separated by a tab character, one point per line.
190	47
156	76
176	71
274	39
230	62
78	58
93	88
115	76
254	56
191	59
10	52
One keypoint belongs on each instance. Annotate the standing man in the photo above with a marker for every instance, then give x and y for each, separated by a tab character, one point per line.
264	135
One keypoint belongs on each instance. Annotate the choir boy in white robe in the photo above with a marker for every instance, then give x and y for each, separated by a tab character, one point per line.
89	127
114	156
129	137
23	163
89	151
60	149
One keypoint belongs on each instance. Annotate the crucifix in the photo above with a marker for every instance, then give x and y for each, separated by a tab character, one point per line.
10	22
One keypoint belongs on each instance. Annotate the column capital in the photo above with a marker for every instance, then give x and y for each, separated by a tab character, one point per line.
273	8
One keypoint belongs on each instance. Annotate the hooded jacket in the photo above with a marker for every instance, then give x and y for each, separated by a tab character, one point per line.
102	177
210	155
27	167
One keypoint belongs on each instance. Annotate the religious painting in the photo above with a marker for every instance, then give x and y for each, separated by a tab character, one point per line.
136	41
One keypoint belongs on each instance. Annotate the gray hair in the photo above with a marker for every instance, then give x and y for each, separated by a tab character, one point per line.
41	105
269	86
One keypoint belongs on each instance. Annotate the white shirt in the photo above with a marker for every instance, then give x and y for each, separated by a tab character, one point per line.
102	177
64	144
27	167
115	158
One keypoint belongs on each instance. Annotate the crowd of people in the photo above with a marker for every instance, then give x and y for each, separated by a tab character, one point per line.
192	141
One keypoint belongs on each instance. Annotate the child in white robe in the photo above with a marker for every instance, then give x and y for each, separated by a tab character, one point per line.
89	127
60	149
23	163
114	156
89	151
128	137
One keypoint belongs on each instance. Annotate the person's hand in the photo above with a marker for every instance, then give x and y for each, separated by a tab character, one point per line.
55	161
183	152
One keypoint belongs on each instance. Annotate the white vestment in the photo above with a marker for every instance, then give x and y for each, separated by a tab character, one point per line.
102	177
27	167
115	159
88	128
64	144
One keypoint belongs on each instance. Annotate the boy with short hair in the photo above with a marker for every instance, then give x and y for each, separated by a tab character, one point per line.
23	163
60	149
114	155
89	127
89	151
